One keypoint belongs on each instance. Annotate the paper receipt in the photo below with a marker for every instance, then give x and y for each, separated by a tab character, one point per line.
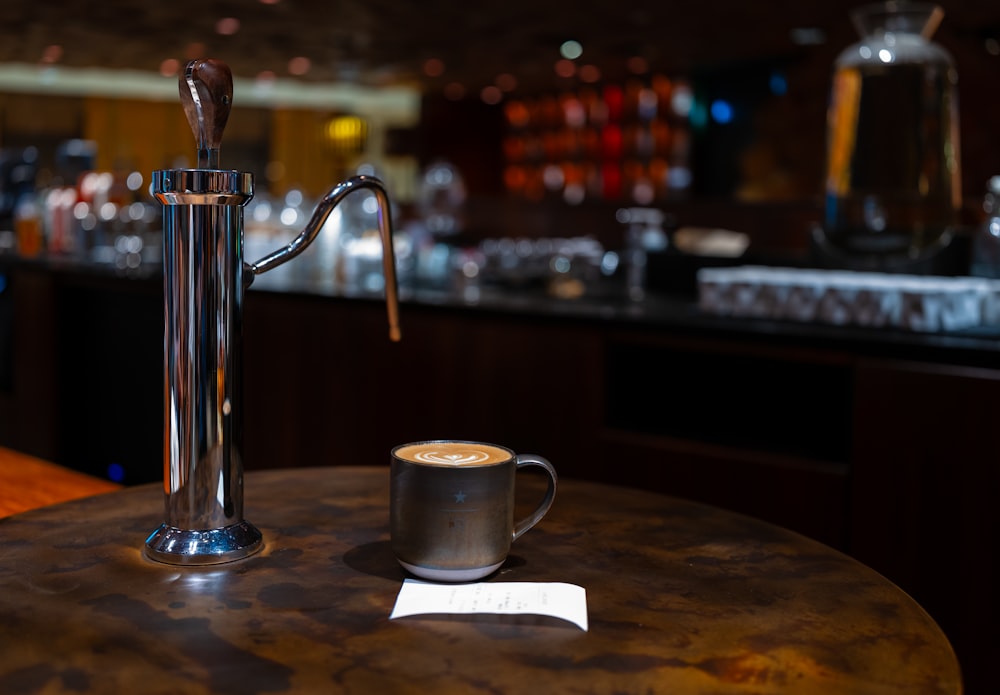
555	599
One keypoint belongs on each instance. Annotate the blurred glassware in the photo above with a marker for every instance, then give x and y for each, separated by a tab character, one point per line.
893	180
18	174
643	233
564	267
440	198
986	240
28	227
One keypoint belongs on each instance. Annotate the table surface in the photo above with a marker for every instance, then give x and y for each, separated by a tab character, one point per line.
682	598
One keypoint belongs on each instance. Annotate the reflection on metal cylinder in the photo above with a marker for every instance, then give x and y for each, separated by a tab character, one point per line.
203	308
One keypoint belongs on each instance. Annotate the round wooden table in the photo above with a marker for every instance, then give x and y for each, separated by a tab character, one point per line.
682	598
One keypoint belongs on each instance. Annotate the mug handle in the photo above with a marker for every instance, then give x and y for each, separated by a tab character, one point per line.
526	523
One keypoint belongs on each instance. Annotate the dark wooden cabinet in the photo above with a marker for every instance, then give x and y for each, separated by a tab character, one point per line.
323	382
924	488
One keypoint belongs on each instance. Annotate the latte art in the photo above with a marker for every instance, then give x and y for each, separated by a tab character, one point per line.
451	459
453	453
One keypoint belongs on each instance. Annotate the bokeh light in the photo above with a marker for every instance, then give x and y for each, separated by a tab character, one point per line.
227	26
433	67
299	65
571	50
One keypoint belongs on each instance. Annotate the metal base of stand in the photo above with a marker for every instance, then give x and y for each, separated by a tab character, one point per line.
176	546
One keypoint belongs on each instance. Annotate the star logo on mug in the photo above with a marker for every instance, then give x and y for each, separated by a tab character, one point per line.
459	496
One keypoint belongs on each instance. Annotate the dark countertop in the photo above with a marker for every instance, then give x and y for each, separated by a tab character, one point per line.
659	311
675	313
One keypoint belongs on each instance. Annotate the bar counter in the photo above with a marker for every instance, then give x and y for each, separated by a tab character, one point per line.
683	598
605	303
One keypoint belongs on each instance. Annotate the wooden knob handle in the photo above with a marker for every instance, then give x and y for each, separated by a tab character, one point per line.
206	90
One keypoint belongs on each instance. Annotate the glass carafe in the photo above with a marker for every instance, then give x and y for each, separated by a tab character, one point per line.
893	186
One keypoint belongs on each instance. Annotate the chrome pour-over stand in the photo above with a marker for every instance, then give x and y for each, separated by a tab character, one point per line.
204	278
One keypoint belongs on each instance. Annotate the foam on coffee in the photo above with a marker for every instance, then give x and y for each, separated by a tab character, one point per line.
453	453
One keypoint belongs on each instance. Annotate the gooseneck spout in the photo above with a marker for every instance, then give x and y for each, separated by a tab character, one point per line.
315	225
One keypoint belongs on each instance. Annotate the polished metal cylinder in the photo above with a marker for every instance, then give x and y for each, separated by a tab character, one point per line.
204	278
203	312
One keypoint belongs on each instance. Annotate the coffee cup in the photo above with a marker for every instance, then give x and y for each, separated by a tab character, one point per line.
451	507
